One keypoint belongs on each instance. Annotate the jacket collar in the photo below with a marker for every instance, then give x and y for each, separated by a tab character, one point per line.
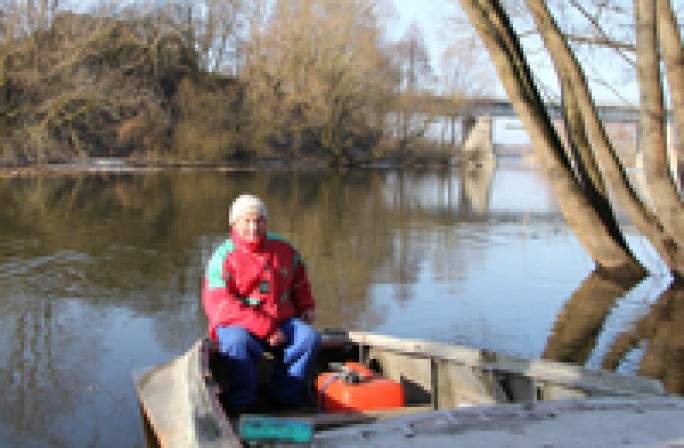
249	246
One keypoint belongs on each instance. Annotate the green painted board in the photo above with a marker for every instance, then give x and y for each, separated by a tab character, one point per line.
259	428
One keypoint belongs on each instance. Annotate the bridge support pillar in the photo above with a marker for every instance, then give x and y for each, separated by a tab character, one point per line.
478	142
468	122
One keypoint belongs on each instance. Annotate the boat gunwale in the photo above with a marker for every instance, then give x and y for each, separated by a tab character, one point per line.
213	390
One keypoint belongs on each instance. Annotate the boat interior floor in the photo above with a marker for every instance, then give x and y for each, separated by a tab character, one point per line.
310	412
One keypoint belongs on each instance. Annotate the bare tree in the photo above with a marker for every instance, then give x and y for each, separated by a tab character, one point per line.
106	81
651	37
412	57
466	70
69	80
215	29
318	77
589	178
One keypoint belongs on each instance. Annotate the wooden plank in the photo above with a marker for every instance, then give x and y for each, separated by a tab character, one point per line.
168	413
334	419
414	373
543	370
463	386
462	354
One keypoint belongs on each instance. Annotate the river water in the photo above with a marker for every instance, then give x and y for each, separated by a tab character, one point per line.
100	278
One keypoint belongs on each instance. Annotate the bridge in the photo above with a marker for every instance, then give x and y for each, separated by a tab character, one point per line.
476	117
502	107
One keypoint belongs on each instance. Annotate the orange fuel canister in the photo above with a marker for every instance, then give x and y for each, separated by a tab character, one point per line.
357	388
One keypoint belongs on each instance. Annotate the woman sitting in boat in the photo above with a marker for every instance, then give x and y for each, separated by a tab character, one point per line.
257	298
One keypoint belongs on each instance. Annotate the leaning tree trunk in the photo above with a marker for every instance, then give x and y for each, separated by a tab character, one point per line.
586	168
664	193
672	51
613	171
586	217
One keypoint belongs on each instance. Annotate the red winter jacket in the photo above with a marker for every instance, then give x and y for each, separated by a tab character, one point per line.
255	287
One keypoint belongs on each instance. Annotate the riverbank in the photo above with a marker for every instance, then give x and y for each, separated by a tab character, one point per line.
120	165
113	165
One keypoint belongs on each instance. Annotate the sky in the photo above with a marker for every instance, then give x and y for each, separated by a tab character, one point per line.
423	11
430	16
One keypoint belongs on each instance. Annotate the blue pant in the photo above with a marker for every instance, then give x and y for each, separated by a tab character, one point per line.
294	359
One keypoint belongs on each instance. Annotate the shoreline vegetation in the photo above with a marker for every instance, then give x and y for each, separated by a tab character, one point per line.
178	86
444	158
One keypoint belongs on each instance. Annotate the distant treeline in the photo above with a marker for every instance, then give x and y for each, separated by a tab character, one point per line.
180	85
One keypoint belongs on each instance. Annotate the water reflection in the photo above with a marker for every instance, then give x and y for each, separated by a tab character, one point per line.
477	183
100	277
650	345
658	336
582	319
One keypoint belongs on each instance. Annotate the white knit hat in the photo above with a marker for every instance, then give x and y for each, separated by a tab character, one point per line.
246	203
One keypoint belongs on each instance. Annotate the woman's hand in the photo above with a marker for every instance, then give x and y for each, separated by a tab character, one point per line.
309	316
277	338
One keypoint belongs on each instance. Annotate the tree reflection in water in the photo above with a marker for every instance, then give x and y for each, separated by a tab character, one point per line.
659	334
655	338
581	321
